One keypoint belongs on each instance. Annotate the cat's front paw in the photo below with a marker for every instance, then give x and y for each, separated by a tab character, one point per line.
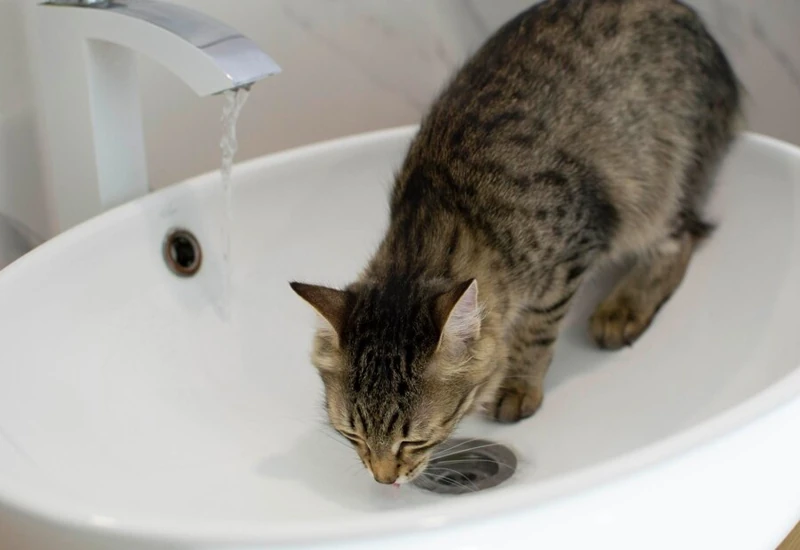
516	401
618	322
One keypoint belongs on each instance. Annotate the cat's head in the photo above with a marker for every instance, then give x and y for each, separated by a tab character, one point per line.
401	365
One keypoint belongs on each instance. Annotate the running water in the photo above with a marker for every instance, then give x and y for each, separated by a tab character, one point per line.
234	101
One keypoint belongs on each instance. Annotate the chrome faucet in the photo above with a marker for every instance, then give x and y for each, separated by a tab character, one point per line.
90	117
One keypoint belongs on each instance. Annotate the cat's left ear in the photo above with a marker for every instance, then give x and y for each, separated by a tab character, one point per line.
332	305
458	314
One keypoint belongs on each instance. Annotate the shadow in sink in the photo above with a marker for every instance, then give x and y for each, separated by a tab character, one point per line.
334	472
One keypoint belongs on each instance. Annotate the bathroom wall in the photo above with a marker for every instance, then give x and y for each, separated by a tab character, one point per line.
352	66
21	189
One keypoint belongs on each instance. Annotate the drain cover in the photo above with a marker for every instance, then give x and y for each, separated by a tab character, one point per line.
467	466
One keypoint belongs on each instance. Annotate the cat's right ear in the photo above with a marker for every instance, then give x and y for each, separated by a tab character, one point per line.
458	314
332	305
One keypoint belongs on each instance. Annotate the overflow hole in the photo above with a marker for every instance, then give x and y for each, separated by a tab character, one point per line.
182	252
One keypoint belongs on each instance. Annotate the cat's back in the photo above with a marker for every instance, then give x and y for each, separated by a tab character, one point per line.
579	123
589	74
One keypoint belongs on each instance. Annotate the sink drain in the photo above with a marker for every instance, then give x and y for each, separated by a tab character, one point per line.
182	252
467	466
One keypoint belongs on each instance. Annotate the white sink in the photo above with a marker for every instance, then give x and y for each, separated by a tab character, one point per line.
132	415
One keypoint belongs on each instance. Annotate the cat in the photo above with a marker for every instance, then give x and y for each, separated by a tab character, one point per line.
581	132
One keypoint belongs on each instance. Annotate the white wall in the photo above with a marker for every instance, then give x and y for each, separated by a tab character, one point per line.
352	66
21	191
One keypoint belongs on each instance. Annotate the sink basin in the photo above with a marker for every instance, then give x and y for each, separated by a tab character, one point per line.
134	413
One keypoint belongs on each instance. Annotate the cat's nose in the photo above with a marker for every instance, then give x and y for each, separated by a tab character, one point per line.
385	478
384	471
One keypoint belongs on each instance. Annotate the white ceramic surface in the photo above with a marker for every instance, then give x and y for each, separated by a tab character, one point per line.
133	416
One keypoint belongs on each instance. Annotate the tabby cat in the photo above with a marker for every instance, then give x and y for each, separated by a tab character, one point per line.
582	131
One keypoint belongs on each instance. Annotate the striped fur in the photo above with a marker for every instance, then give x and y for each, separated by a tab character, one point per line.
582	131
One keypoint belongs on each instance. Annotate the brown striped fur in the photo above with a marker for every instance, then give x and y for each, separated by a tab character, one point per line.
582	131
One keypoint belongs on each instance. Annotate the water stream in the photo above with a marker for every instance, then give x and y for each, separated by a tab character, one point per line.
234	101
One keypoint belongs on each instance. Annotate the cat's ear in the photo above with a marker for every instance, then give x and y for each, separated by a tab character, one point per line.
332	305
458	314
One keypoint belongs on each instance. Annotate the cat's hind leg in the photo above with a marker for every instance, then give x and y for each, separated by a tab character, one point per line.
626	313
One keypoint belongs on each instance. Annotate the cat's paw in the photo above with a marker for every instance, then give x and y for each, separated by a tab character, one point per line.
618	322
516	401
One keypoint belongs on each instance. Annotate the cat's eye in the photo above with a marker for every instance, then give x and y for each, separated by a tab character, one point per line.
417	446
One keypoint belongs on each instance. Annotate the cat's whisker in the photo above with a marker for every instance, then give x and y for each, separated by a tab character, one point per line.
466	360
451	480
471	461
465	442
334	439
469	450
428	476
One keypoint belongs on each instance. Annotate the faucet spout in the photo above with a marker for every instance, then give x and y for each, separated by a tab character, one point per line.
209	56
90	118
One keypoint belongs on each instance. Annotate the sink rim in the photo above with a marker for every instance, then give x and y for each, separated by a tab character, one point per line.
491	504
